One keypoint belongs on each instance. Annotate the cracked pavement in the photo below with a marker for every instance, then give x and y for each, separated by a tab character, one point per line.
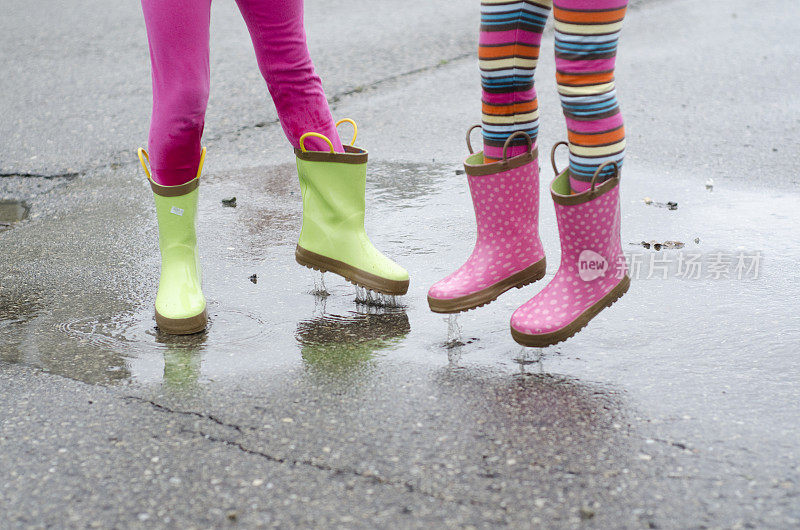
677	408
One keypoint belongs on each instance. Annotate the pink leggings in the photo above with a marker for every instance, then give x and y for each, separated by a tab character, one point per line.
178	34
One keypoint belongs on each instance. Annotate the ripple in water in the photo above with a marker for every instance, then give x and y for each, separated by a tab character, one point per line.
135	333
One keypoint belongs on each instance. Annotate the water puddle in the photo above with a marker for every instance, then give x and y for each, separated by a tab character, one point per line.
12	212
339	343
268	315
16	313
133	334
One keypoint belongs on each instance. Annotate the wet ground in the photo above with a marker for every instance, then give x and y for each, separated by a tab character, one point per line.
303	406
12	212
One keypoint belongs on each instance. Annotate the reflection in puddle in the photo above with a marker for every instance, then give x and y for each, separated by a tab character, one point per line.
532	401
181	368
15	315
530	360
182	358
139	348
12	212
338	345
454	354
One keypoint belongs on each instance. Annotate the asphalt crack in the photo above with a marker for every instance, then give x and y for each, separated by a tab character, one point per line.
67	176
680	445
429	68
370	477
339	96
208	417
119	159
373	478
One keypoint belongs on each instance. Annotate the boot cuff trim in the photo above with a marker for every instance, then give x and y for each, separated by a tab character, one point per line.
563	196
500	166
175	191
351	155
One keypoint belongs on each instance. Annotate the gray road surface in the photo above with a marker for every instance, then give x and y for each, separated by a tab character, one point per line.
677	408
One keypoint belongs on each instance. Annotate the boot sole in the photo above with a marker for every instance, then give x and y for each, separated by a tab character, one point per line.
485	296
321	263
548	339
182	326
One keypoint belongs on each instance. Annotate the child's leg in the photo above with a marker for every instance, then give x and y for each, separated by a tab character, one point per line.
177	32
511	31
276	28
586	49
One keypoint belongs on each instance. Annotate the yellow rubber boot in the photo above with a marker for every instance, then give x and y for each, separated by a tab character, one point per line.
180	304
333	237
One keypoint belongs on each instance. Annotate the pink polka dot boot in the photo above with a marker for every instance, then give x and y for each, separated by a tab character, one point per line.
508	252
593	273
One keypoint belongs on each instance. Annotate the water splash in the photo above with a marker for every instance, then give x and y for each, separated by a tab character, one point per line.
529	357
372	298
320	289
454	356
320	305
454	332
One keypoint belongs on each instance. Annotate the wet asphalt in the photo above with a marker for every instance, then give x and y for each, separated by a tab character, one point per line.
679	407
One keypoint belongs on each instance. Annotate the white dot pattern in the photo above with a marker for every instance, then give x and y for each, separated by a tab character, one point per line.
507	214
595	226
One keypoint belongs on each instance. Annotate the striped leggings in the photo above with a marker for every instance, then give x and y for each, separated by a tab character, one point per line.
586	33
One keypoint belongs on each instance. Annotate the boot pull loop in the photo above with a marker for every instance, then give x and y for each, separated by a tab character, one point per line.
315	135
553	156
469	132
142	157
202	161
600	170
355	128
511	138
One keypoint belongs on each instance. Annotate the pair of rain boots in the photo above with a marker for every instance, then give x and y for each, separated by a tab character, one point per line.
508	253
332	238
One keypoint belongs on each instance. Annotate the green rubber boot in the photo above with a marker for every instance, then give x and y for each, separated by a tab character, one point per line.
333	237
180	304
